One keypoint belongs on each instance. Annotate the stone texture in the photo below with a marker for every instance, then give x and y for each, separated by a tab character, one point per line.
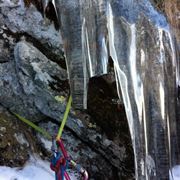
19	19
17	141
26	79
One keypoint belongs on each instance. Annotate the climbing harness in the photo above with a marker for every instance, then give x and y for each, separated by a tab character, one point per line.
60	160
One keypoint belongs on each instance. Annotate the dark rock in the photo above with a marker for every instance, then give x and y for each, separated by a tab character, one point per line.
17	141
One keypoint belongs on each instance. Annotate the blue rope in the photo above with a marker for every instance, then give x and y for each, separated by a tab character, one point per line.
62	169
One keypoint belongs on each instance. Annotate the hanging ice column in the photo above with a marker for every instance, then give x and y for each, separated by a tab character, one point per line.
141	47
83	28
145	65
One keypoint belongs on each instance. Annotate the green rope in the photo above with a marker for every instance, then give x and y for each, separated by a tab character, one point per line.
68	107
43	131
37	128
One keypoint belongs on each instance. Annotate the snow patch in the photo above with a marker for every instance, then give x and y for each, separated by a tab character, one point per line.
3	129
21	139
46	143
35	169
175	173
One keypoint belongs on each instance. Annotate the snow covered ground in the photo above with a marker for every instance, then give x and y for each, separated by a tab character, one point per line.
175	173
35	169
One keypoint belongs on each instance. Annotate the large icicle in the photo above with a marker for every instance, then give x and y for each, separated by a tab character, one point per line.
139	41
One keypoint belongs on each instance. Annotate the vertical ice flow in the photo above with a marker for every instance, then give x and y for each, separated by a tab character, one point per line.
140	43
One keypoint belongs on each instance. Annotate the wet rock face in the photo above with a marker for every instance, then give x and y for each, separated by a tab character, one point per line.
171	8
